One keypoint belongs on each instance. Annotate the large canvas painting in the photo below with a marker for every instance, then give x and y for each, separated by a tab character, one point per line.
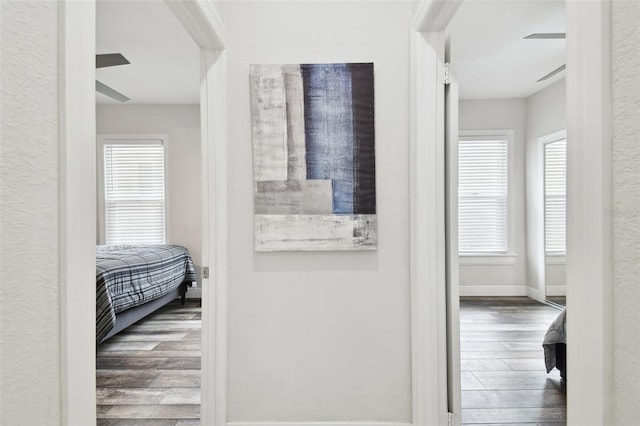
314	157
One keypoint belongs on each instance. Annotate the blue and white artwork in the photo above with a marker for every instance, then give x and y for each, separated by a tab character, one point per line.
313	135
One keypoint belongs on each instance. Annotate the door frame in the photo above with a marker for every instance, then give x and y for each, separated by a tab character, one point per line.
540	211
589	222
428	249
589	263
77	27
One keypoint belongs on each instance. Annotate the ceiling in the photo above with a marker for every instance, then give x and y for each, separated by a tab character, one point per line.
489	56
165	61
488	53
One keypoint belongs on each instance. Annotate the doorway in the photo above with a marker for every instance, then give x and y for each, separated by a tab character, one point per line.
78	126
502	96
589	252
149	192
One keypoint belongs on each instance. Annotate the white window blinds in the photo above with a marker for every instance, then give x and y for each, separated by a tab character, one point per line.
482	196
134	191
555	196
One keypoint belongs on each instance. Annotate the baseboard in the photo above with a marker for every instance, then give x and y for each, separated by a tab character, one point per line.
556	290
535	294
194	293
317	424
493	290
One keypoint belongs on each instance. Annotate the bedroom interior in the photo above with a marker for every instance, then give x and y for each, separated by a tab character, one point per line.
147	114
507	375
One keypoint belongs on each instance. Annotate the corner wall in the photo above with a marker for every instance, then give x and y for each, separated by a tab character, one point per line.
29	219
546	114
182	125
626	211
321	336
499	276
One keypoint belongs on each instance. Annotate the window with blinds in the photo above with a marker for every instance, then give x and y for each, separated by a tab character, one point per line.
555	196
483	196
134	193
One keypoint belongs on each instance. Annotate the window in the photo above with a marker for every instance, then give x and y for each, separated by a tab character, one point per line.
483	204
555	196
133	190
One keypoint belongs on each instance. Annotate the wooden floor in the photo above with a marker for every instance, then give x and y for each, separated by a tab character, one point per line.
149	374
504	380
558	300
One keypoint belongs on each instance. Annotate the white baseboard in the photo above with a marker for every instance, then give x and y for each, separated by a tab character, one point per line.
535	294
556	290
493	290
317	424
194	293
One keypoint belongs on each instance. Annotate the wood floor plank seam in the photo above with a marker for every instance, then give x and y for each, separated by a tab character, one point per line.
149	374
504	381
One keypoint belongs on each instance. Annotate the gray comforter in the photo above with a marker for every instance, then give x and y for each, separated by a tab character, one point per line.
128	276
556	333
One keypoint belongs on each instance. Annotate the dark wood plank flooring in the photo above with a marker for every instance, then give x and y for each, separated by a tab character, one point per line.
504	381
149	374
558	300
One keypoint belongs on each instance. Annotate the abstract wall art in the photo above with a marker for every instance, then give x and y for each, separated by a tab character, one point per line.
313	135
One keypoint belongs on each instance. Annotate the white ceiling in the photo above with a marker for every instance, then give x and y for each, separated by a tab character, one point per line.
165	61
489	55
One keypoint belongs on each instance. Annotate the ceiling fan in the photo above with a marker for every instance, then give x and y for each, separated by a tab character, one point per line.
110	60
549	36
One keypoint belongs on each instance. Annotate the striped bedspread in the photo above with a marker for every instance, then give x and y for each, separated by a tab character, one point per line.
128	276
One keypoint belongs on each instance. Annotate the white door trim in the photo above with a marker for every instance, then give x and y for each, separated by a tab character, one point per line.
427	227
540	260
77	29
202	22
215	238
427	214
589	229
77	121
454	382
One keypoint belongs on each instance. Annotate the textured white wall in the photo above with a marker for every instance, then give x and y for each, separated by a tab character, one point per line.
29	297
626	210
321	336
182	124
546	114
489	278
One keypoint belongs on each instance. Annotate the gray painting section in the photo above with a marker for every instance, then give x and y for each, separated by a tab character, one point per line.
291	197
297	164
268	122
315	232
294	194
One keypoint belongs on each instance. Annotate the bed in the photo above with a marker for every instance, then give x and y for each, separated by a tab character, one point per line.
555	345
133	281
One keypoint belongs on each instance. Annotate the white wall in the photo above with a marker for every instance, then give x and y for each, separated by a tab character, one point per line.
29	227
546	114
499	276
626	210
182	125
321	336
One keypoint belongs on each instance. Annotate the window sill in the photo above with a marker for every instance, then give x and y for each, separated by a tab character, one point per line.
555	259
488	259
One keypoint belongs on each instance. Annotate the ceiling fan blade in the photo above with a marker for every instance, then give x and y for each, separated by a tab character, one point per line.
552	73
110	60
547	36
108	91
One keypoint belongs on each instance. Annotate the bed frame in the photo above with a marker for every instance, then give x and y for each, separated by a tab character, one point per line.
129	317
